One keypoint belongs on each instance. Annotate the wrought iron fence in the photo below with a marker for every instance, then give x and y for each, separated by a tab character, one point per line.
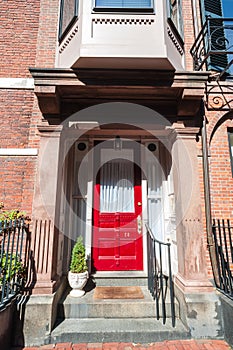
213	47
222	232
14	239
160	282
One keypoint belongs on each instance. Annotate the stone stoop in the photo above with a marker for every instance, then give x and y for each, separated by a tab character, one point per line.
113	320
139	330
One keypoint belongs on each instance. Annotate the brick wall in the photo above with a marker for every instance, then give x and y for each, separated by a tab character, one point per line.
221	181
48	33
18	39
15	114
28	38
188	32
220	168
16	173
18	36
17	176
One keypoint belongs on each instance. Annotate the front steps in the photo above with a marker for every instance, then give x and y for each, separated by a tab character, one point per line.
102	330
81	320
87	307
132	278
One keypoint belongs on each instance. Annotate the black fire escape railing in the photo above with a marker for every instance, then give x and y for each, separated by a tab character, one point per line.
213	51
160	282
213	47
223	237
14	238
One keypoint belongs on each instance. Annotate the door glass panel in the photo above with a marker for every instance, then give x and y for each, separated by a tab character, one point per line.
155	212
117	186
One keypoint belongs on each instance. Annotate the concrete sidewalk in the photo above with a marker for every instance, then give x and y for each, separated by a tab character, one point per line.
166	345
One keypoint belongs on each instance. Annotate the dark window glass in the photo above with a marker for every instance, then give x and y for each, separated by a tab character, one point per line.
175	15
127	4
68	15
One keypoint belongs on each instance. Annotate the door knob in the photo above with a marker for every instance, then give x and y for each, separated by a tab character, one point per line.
139	204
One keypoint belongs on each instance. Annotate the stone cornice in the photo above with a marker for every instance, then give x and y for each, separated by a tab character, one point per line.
114	77
179	93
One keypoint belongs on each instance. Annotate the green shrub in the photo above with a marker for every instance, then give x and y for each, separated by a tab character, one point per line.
10	268
78	259
13	214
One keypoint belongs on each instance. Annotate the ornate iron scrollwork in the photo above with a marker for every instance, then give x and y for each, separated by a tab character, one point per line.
219	95
213	51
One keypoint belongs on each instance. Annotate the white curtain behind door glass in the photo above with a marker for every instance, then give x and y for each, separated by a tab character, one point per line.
155	208
117	186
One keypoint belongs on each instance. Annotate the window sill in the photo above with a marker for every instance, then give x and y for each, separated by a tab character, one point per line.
123	10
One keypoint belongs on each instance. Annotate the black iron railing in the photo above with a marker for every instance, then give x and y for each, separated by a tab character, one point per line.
223	237
14	238
213	47
160	282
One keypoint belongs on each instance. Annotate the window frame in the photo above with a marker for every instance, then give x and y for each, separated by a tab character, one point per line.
178	30
230	142
124	9
63	31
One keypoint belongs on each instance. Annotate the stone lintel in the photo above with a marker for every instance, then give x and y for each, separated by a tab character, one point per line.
50	130
185	132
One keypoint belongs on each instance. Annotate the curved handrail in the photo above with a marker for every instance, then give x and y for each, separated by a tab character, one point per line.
158	280
155	239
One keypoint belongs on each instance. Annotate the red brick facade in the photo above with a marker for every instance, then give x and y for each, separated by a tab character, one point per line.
36	176
29	38
17	174
18	44
16	112
220	166
18	33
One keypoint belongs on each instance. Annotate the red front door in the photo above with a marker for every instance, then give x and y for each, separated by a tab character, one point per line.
117	233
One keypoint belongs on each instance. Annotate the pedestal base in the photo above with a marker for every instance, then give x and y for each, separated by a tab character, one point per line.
194	286
77	293
200	311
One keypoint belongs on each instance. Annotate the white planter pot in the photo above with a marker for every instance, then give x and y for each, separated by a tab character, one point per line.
77	281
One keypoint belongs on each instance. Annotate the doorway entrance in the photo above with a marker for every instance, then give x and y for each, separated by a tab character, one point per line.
117	243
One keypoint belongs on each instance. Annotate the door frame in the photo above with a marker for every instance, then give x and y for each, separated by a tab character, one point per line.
132	258
90	201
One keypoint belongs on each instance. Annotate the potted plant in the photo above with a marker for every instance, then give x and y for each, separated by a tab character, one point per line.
78	274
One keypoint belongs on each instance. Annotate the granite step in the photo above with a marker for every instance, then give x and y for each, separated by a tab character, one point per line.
88	307
97	330
132	278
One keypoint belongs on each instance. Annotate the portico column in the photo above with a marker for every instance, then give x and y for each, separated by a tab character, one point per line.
192	267
46	240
